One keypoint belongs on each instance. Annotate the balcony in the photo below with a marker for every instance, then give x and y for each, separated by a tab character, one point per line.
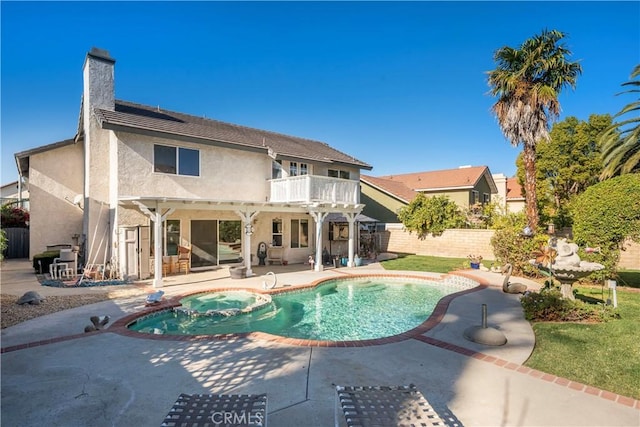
315	189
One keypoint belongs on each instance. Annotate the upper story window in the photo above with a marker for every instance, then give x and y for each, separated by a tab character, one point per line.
296	169
486	197
335	173
475	197
176	160
276	169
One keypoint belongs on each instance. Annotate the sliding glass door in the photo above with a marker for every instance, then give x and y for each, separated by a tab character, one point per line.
230	242
204	243
215	242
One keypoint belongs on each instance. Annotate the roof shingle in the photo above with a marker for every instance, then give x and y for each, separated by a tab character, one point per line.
141	117
465	177
406	186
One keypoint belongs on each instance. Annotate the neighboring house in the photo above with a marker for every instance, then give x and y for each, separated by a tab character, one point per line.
510	193
14	194
466	186
138	181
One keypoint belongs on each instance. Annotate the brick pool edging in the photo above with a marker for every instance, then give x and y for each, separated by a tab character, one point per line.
120	327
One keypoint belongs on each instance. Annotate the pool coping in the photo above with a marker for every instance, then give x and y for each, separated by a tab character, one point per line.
121	326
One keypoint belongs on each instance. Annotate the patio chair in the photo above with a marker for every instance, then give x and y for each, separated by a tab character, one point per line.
166	265
247	410
184	259
385	406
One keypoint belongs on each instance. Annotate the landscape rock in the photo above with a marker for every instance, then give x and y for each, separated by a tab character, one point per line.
31	297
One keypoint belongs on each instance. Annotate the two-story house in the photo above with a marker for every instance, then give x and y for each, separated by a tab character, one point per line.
510	193
137	182
466	186
13	194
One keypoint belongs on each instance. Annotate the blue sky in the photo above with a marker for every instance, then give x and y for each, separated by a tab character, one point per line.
399	85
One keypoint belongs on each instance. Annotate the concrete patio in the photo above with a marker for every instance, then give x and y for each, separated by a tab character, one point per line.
53	373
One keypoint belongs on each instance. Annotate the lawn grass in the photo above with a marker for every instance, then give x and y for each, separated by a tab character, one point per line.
426	263
603	355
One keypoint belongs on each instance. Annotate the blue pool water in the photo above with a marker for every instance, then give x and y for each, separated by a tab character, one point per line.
218	301
337	310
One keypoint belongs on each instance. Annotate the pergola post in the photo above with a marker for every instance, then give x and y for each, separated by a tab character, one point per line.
319	219
351	219
247	219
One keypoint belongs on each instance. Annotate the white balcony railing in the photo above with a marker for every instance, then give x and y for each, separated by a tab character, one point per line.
313	188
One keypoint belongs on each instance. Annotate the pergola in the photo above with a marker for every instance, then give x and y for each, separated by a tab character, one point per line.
159	208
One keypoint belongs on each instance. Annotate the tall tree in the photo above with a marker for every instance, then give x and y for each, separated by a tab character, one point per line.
620	142
566	165
527	82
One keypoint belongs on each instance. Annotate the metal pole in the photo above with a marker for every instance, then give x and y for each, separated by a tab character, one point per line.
484	315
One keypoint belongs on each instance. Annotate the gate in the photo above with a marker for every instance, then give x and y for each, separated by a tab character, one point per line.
17	243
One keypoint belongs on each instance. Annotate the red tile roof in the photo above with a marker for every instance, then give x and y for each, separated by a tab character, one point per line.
394	188
514	190
406	186
460	178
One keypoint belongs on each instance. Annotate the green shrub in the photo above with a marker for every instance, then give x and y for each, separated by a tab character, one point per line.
430	215
44	260
3	243
549	306
605	215
511	246
14	217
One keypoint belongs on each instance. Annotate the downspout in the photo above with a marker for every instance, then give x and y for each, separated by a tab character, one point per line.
20	189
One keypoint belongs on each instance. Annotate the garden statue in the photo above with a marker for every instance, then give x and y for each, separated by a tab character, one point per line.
511	288
262	253
560	260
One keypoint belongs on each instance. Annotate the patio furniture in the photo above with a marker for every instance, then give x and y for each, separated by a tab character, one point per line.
184	259
166	265
275	254
154	298
65	266
93	272
60	270
247	410
385	406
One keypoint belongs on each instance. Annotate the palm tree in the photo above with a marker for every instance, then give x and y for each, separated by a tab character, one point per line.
619	142
527	82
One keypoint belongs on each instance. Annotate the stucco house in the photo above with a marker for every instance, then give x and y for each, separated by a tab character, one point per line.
466	186
14	194
510	193
137	182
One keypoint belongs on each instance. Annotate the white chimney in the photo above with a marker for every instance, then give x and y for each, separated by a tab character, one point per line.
98	73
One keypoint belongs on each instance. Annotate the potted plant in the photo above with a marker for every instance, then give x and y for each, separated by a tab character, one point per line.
475	261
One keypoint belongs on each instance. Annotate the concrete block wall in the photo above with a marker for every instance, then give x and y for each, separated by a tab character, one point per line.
458	243
630	257
453	243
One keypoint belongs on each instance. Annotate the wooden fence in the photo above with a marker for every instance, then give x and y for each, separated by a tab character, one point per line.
17	243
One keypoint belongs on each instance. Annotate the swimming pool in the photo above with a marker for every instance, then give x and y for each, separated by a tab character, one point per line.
352	309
